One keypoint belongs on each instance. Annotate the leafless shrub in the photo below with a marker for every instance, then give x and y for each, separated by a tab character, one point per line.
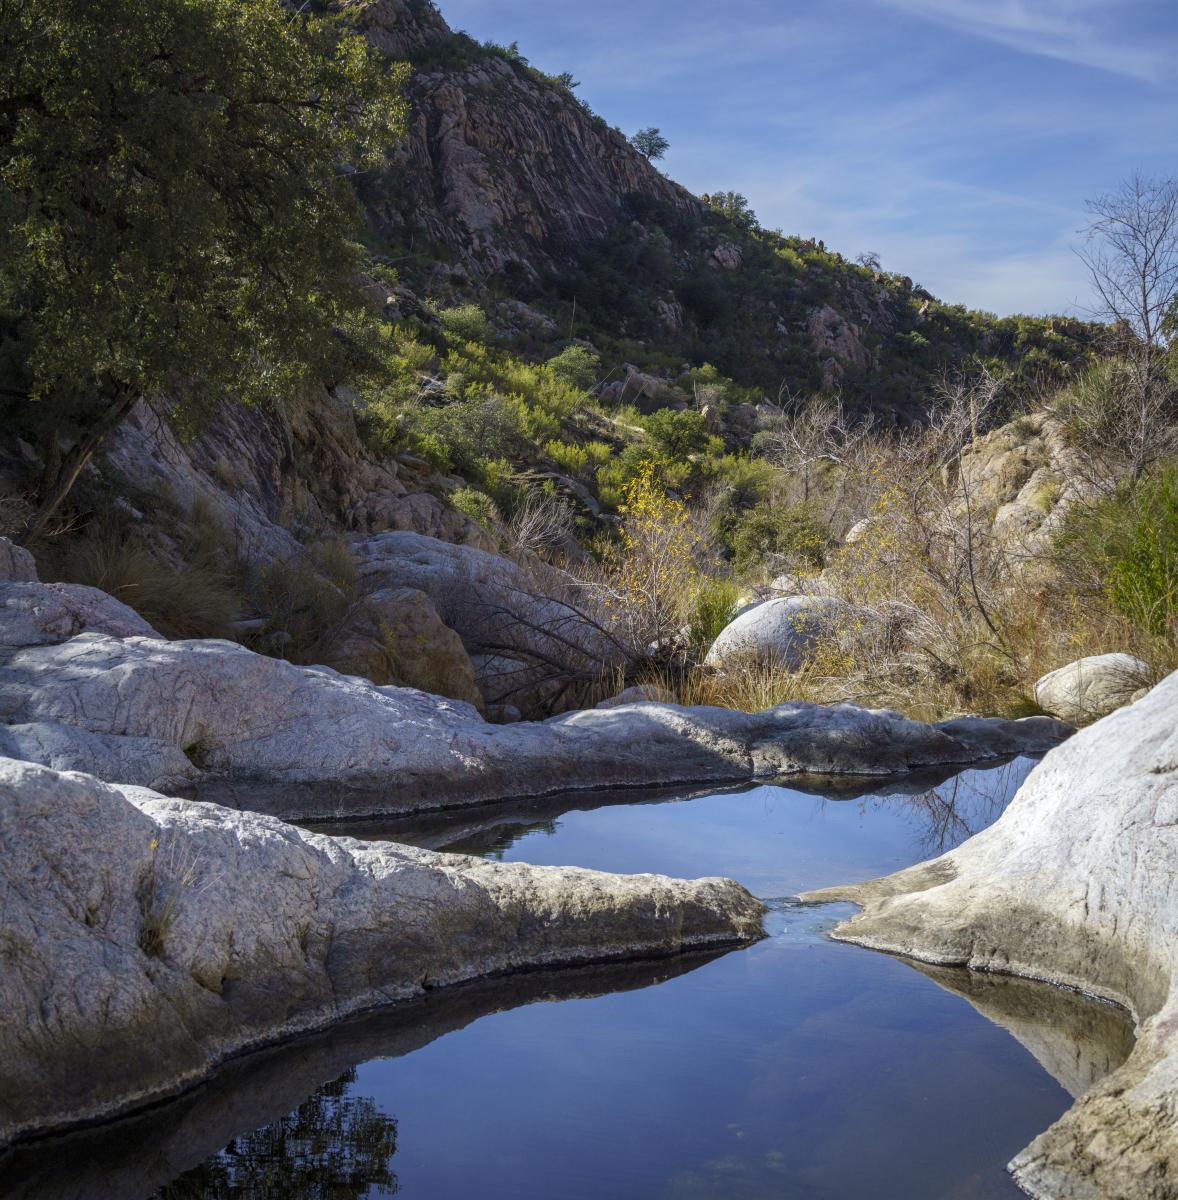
1131	252
541	523
1123	416
801	435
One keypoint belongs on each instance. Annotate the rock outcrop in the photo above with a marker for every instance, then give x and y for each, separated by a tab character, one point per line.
395	636
307	742
1025	477
259	732
501	166
16	563
528	631
1074	885
187	933
1092	687
258	474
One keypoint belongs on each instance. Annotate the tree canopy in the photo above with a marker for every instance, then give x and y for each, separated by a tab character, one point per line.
650	143
176	211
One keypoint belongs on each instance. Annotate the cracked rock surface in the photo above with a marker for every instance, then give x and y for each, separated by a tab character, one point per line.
1076	884
145	940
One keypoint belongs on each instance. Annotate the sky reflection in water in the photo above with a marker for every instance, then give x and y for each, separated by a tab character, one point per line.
797	1068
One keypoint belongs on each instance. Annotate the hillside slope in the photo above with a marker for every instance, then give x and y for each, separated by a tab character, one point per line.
509	186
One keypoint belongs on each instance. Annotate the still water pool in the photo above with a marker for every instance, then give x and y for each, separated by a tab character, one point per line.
795	1069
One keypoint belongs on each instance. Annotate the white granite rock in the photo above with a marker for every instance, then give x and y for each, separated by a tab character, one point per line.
1092	687
785	631
1076	884
145	939
308	742
641	693
37	614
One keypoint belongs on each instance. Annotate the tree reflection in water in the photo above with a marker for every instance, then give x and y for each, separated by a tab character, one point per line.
962	806
334	1146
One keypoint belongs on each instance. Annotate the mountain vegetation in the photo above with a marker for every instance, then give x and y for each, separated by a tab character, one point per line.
311	210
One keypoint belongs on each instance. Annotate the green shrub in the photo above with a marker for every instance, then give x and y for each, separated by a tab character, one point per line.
1129	543
616	475
466	322
714	604
1092	405
790	534
580	461
464	434
476	505
678	434
577	366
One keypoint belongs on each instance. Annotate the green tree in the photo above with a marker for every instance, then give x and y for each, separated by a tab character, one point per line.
650	143
734	207
678	434
176	214
577	366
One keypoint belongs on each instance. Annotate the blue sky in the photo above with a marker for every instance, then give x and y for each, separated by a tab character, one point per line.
957	138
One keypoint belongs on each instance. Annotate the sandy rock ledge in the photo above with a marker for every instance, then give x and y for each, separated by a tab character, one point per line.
144	940
1077	884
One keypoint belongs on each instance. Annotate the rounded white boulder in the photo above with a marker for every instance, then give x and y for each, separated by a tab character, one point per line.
785	631
1092	687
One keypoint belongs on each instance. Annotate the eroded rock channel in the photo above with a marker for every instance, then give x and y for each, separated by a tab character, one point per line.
738	1073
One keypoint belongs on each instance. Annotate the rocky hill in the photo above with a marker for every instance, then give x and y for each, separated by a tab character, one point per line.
502	164
508	185
563	323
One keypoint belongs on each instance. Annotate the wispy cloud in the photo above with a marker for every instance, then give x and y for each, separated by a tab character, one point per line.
1082	32
872	125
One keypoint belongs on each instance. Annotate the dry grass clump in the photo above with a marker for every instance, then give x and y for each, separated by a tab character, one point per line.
198	598
304	600
951	614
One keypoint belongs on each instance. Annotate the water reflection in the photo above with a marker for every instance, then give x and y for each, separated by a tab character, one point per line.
1077	1040
797	1068
944	807
333	1145
313	1139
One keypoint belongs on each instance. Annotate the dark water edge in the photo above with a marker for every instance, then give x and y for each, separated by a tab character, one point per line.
796	1068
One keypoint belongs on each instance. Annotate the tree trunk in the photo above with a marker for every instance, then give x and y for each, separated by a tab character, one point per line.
62	471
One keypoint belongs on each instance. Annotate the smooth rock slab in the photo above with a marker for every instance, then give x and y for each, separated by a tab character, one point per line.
308	743
1076	884
146	939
